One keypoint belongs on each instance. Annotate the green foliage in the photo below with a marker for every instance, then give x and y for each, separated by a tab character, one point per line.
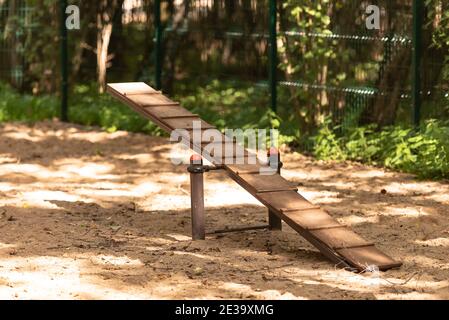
227	107
424	152
86	107
247	107
327	145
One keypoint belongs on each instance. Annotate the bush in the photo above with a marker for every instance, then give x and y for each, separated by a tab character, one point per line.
15	107
424	152
86	108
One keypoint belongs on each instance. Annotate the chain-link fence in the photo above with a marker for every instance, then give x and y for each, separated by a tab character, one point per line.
15	20
328	61
307	59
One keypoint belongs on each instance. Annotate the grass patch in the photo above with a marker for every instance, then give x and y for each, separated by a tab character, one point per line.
423	151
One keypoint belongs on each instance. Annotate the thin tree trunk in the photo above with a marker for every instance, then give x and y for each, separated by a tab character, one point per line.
104	37
105	18
172	49
390	87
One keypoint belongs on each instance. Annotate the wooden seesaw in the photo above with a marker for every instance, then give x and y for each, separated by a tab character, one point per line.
334	240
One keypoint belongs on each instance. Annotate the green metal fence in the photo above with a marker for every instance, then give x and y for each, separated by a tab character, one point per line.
357	86
356	75
306	58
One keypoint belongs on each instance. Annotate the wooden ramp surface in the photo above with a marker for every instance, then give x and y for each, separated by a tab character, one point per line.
335	241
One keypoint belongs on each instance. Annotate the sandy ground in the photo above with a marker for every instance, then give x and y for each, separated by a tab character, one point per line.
90	215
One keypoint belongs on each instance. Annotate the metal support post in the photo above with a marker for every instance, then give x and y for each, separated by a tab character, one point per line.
197	170
274	160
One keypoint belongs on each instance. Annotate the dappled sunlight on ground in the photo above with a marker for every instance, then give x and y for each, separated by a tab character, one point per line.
404	211
89	215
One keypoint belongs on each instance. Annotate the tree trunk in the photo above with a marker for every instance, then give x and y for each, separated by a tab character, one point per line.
172	49
393	80
105	17
11	28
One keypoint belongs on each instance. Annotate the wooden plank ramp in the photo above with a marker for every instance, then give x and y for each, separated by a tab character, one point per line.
337	242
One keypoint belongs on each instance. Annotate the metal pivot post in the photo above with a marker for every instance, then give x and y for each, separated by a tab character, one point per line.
197	171
274	161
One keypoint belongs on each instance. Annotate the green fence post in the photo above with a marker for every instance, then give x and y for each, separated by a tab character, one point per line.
273	54
417	56
64	62
158	44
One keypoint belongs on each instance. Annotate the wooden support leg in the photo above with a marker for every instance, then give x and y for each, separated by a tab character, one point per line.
274	158
196	170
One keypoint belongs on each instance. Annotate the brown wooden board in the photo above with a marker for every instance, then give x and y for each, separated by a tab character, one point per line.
226	146
270	183
312	219
336	242
224	159
285	201
216	140
200	138
118	90
240	169
169	112
369	256
148	100
187	123
227	151
132	88
340	238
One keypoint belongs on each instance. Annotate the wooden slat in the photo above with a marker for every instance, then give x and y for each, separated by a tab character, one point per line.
132	88
261	184
312	219
224	159
180	116
216	138
169	111
240	169
227	149
198	146
135	93
160	104
364	257
204	135
285	201
146	100
340	238
187	123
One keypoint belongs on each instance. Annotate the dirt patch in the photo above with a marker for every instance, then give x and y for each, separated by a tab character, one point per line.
90	215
